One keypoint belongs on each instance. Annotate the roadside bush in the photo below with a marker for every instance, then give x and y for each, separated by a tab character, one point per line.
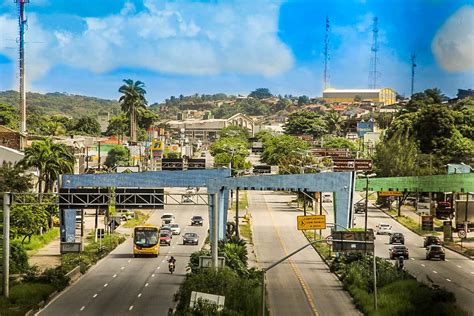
18	258
71	260
54	276
30	294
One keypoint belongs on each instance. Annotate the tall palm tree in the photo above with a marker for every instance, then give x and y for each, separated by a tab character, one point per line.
50	159
132	101
334	122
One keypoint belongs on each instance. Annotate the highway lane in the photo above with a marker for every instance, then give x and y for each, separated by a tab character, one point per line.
302	285
123	285
456	274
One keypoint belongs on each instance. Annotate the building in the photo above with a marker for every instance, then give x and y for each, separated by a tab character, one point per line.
206	131
387	96
10	155
104	120
11	138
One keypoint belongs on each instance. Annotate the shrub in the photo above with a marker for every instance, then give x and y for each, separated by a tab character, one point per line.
54	276
30	294
18	258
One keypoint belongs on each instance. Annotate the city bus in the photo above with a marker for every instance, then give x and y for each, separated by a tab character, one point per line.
146	240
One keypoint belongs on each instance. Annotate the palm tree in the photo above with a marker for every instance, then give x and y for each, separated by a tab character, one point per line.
132	101
50	159
334	122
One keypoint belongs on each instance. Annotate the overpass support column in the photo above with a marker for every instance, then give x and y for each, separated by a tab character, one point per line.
213	227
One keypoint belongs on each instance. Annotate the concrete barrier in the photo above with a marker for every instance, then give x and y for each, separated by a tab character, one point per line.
74	274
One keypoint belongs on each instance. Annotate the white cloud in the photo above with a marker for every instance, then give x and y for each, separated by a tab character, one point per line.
453	44
193	38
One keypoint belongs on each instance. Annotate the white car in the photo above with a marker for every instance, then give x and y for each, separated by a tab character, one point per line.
167	218
384	229
175	229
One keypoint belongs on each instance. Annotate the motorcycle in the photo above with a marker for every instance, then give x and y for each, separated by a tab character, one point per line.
401	262
171	267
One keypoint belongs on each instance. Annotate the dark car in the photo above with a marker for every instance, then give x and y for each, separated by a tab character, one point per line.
435	251
432	240
197	220
397	238
359	207
398	251
190	239
165	238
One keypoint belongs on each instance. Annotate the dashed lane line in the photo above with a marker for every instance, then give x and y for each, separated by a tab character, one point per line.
106	284
82	308
130	308
423	265
435	272
448	280
95	295
139	294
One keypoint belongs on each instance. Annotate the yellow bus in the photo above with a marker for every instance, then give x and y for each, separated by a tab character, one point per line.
146	240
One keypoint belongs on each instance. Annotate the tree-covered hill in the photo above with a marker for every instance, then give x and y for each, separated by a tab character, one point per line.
61	103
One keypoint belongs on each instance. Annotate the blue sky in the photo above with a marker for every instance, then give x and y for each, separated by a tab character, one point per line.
187	47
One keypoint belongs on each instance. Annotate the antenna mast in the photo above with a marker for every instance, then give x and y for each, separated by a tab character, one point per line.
413	65
326	55
21	43
374	49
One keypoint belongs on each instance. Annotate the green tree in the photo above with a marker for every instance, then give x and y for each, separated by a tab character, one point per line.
118	126
276	148
13	179
118	155
305	122
50	159
303	100
87	125
261	93
8	116
234	131
27	220
338	142
132	99
252	107
231	150
398	156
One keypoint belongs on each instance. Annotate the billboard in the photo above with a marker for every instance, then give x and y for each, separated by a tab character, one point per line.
157	148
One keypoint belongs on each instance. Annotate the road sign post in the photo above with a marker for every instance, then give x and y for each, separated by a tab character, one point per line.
311	222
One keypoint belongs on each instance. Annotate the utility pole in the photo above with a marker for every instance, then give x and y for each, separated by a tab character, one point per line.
413	65
6	245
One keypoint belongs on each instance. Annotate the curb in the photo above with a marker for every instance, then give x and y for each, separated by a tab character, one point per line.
393	217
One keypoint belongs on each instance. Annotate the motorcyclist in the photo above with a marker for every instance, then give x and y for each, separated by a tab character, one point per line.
171	264
401	262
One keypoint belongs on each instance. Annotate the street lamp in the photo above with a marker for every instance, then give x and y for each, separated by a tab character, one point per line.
367	176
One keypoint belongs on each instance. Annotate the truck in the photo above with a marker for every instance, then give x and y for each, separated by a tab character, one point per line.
444	210
461	214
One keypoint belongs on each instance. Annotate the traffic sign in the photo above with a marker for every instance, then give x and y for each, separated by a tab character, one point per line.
329	240
311	222
390	193
345	164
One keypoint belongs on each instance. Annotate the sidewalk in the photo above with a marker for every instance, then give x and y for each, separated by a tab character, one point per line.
466	247
46	257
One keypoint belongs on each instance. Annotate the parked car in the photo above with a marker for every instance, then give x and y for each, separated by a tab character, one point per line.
432	240
398	251
175	229
359	207
327	198
197	220
190	239
125	214
435	251
165	238
384	229
397	238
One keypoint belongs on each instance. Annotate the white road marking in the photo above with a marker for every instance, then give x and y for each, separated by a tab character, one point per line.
152	275
446	260
129	260
435	272
162	260
423	265
130	308
114	276
82	308
158	267
146	284
121	268
106	284
448	280
412	258
139	294
459	266
472	272
95	295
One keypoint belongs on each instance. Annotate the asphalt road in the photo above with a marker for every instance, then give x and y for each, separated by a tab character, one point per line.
123	285
302	285
456	274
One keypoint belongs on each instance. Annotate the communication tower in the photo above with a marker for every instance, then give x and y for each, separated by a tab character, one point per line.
373	74
413	65
326	55
22	25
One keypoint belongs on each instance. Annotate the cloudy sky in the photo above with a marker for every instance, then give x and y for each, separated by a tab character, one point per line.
186	47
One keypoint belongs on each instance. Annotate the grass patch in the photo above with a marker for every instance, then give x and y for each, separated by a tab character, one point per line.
24	297
324	250
39	241
246	232
243	201
410	223
138	220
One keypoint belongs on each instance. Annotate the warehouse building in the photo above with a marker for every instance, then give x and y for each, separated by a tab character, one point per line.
387	96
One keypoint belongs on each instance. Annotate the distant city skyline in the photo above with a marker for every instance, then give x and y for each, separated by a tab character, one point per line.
234	47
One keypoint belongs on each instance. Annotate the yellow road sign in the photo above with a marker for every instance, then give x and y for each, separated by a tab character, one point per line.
390	193
311	222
